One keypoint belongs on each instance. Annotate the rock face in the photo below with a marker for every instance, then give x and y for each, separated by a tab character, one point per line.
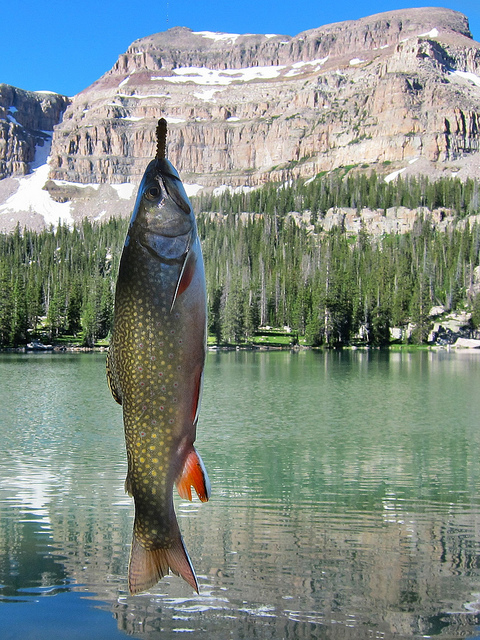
26	122
397	91
247	108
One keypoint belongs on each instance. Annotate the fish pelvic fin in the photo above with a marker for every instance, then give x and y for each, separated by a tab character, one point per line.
194	475
148	566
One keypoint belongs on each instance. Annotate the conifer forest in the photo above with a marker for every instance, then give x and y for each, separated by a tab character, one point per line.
263	269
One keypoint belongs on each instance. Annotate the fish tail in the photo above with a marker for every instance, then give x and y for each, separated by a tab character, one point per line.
147	566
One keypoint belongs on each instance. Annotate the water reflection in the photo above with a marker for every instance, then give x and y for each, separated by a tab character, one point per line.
345	498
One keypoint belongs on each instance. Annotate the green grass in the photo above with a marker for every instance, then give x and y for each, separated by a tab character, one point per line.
274	341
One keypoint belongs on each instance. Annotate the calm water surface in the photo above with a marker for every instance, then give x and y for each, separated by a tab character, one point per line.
345	501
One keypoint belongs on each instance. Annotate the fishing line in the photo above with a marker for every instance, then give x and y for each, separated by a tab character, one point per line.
161	139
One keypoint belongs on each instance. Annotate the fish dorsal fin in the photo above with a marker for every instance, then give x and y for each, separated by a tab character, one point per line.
186	275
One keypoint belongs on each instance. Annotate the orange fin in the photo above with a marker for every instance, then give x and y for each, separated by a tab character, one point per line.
186	274
146	566
193	475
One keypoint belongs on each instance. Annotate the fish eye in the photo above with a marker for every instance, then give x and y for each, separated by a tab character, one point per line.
153	192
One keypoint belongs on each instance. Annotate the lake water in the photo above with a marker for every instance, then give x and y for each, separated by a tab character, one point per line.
345	501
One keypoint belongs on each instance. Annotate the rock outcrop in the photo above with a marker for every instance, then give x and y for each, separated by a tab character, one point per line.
244	109
394	92
27	120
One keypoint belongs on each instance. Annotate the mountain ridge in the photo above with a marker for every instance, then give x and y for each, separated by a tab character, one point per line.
396	91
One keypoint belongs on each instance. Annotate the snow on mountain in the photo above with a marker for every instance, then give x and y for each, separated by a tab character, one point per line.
32	198
245	109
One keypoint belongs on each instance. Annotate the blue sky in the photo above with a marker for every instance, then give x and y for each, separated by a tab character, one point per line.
65	46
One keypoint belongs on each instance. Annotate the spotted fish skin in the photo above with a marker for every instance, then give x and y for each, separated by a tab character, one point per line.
155	368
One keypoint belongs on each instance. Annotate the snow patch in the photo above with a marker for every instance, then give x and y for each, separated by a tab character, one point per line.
150	95
228	188
298	66
430	34
467	76
42	151
78	185
174	120
125	190
205	76
217	36
124	82
355	61
192	189
30	197
233	119
395	174
207	96
132	118
11	118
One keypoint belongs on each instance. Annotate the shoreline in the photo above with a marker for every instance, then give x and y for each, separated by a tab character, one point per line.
57	349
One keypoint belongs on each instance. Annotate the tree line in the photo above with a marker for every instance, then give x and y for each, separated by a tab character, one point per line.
345	188
59	282
261	269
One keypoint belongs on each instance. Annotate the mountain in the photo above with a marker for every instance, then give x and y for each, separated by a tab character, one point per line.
27	120
397	91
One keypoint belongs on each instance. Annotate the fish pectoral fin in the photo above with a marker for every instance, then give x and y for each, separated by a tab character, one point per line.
111	382
193	475
186	274
128	485
147	566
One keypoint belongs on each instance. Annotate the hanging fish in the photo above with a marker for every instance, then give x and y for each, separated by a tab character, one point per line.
155	367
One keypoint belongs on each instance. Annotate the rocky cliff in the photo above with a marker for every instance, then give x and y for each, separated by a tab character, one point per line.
245	108
27	120
394	91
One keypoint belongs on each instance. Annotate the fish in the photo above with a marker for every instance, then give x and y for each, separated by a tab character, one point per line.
155	367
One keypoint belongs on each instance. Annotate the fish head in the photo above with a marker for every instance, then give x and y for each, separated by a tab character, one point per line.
163	221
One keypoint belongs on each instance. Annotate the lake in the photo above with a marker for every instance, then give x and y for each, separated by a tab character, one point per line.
345	501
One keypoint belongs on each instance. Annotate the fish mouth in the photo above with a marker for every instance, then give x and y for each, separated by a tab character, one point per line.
167	249
167	174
